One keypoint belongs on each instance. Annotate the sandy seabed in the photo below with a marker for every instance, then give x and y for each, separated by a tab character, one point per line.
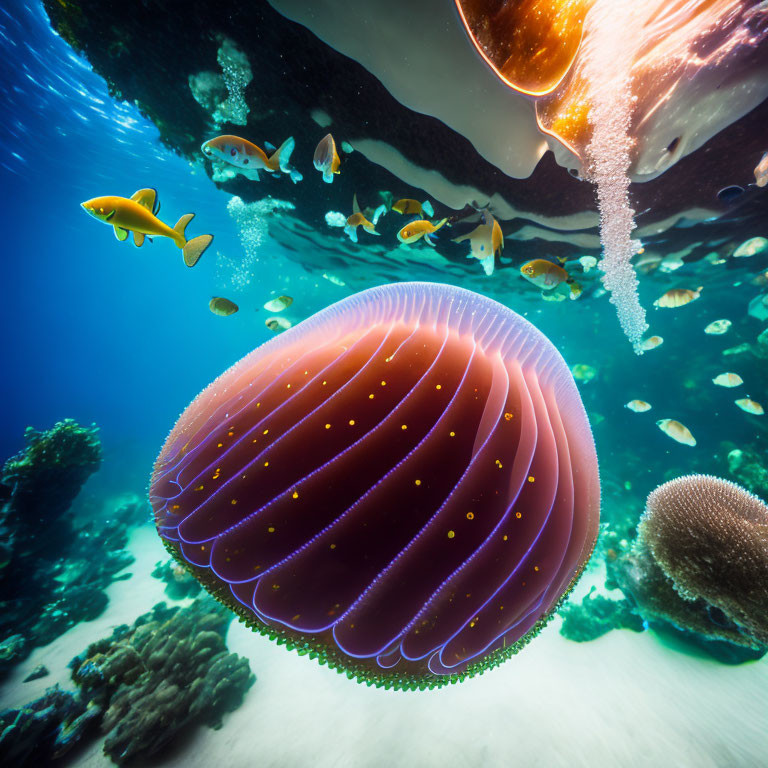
625	699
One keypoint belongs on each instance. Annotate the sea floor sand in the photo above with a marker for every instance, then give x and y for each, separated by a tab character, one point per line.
625	699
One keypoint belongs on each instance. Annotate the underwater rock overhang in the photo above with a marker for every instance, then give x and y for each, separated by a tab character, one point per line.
131	49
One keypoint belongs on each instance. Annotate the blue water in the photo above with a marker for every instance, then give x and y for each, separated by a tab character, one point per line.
103	332
106	333
97	330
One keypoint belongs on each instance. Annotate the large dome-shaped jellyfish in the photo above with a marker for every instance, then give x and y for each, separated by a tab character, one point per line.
404	486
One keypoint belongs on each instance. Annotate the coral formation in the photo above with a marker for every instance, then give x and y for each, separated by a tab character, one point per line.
45	729
710	537
596	615
168	672
53	569
695	622
141	687
179	582
746	467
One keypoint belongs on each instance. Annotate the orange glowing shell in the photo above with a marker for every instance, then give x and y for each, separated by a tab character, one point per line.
529	44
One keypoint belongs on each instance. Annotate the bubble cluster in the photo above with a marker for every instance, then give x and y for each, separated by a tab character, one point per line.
608	62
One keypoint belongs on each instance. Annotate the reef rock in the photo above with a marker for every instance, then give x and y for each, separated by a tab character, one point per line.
168	672
37	733
53	569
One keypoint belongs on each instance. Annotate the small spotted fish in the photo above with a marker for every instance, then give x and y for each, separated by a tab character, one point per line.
250	159
677	431
410	207
718	327
277	324
638	406
728	380
221	306
651	343
278	304
677	297
750	406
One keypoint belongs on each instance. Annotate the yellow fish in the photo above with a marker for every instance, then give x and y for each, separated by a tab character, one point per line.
358	219
651	343
728	380
414	231
750	406
638	406
326	158
278	304
677	431
677	297
409	206
221	306
484	241
277	324
548	276
718	327
139	215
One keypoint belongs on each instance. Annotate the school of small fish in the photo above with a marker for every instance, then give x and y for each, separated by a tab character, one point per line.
138	215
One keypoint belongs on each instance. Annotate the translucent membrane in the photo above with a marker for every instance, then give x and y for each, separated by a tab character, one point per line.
406	484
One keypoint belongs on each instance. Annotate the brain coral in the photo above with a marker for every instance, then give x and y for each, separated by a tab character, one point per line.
403	486
710	537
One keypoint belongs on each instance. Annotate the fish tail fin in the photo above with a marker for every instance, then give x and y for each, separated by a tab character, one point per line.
328	176
193	249
282	156
371	228
488	264
441	223
179	229
427	208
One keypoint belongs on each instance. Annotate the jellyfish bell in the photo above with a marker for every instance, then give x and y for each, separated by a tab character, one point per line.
403	486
